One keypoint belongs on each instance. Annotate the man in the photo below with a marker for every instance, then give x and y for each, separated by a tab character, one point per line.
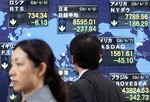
92	86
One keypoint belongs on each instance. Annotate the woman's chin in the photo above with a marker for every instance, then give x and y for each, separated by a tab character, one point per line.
16	89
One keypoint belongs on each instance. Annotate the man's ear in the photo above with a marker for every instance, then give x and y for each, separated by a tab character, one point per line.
42	69
100	60
73	60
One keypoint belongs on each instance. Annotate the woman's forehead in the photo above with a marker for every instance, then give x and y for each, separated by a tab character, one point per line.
19	54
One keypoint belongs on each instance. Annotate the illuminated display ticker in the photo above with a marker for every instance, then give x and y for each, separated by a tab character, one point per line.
77	18
117	51
28	13
125	14
135	86
6	50
130	20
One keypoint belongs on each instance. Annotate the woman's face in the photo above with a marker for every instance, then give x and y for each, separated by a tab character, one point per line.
24	75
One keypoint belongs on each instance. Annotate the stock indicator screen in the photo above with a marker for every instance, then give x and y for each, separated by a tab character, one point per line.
25	13
122	27
135	86
77	18
123	13
117	51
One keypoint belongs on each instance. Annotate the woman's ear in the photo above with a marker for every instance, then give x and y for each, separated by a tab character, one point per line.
42	69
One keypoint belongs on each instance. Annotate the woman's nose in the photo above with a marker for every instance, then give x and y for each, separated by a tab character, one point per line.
11	72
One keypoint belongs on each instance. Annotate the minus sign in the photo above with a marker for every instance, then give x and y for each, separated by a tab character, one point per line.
126	23
115	60
32	22
74	28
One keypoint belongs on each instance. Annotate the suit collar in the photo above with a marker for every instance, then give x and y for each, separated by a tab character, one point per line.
89	73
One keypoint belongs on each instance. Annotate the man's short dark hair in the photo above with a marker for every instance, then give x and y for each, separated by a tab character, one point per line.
86	50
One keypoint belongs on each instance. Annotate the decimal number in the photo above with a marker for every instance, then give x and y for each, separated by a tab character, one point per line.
136	16
38	15
40	22
138	23
139	97
91	21
86	29
135	90
121	53
124	60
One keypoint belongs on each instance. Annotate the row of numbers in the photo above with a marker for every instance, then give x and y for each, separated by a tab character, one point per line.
135	90
123	60
121	53
131	16
40	15
138	97
84	21
86	29
138	23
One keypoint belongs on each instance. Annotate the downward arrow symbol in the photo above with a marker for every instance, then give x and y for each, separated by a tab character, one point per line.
114	23
62	28
12	97
13	21
4	65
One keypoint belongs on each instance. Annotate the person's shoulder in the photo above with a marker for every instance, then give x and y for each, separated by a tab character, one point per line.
79	84
101	81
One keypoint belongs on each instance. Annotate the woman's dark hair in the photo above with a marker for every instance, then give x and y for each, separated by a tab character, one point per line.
39	51
86	50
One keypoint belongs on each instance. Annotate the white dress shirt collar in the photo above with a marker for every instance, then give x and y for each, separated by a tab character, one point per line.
83	72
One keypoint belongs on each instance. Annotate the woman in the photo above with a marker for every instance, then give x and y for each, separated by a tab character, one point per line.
33	74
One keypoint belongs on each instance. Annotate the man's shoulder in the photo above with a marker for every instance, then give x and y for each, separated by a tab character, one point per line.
81	85
98	80
80	82
90	73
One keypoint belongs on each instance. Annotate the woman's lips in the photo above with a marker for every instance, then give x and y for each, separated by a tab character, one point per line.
13	82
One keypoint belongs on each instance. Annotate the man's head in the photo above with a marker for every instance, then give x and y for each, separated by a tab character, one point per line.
86	51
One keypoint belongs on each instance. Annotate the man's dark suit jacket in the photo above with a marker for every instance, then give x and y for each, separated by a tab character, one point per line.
94	87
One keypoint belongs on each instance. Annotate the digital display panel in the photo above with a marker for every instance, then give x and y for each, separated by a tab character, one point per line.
117	51
6	50
25	13
121	25
123	13
77	18
135	86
